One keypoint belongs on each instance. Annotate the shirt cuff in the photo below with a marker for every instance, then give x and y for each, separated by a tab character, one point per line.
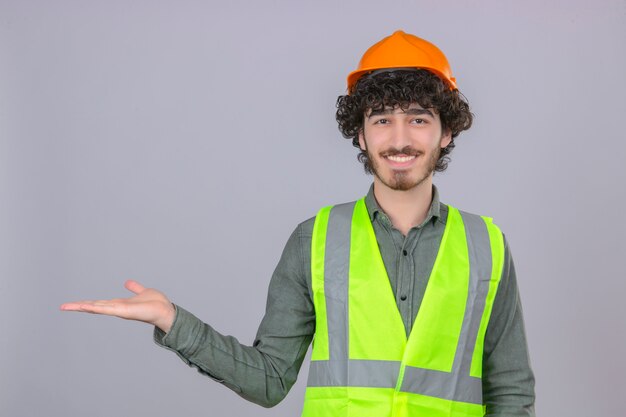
182	336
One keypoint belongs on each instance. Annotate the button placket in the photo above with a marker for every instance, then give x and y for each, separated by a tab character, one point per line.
404	284
408	276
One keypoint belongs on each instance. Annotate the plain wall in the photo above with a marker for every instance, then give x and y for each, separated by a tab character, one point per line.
179	143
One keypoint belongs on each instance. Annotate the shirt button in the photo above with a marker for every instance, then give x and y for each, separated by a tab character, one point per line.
403	298
404	252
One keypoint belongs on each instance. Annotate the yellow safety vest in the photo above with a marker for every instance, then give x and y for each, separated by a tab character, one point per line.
362	364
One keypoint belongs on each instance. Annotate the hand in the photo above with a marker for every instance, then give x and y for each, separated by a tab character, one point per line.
147	305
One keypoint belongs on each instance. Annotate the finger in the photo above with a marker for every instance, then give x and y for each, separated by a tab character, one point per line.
103	307
74	305
79	305
112	307
134	286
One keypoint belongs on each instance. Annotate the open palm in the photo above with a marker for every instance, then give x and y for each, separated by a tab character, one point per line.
147	305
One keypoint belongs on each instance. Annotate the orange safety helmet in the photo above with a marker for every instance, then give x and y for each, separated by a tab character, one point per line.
402	50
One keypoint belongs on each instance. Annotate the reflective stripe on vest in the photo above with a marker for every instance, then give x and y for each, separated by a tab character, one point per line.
361	356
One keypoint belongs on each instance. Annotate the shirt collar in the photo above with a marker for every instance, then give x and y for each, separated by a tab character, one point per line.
374	210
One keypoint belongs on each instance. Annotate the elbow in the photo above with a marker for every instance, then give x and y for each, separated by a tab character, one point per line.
271	402
274	396
268	400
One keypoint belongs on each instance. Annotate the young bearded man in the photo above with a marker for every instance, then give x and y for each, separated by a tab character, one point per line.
412	304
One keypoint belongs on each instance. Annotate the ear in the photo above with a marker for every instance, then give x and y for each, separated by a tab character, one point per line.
362	140
446	138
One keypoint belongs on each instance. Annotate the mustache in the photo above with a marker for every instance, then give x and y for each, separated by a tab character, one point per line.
407	150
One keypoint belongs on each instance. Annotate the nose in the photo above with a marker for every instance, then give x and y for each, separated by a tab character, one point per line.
399	136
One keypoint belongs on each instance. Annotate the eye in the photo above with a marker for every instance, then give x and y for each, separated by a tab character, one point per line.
419	121
381	121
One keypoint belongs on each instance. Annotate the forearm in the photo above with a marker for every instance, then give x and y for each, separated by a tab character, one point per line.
262	373
508	379
247	370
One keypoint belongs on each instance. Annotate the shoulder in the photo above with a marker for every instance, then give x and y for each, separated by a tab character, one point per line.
483	228
468	215
305	229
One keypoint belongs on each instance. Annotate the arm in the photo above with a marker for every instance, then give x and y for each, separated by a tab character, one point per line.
508	380
264	372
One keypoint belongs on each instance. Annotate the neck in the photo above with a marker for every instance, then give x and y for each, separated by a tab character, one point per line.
406	209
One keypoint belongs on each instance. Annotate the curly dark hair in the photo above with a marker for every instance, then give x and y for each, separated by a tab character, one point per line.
400	88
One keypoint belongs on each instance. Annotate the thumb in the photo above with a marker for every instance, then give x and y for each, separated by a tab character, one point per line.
134	286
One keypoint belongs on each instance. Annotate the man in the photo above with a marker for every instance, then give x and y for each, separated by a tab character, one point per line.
413	303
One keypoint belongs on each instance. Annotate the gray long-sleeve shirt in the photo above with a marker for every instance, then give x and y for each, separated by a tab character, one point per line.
264	372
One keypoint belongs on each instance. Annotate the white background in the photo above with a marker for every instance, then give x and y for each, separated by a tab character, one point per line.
179	143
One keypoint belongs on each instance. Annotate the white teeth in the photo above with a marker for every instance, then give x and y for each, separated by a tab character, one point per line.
396	158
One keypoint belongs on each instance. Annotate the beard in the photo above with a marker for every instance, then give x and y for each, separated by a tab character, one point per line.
400	179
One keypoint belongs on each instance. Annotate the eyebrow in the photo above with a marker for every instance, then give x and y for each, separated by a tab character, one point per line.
411	111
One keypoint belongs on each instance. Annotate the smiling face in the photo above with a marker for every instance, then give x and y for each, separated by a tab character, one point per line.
403	145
